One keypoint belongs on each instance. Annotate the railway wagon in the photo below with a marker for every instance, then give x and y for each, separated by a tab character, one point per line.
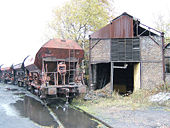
59	62
19	74
33	77
6	75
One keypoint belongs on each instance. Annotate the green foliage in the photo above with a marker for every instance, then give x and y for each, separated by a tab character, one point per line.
78	18
162	24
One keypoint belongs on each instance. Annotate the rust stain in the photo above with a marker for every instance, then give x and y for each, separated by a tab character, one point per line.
58	49
120	27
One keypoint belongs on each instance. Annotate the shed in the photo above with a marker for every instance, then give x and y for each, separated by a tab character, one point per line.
126	53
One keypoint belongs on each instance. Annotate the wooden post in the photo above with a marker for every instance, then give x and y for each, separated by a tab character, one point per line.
90	70
163	56
111	76
55	78
64	78
94	76
57	72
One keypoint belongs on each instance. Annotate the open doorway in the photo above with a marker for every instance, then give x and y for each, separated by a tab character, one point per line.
123	78
126	79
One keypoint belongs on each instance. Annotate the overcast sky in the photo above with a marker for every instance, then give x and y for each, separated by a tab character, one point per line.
23	23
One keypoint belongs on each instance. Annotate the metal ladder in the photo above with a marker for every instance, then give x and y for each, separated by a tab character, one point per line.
72	64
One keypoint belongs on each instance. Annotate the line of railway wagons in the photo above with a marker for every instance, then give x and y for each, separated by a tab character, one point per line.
54	72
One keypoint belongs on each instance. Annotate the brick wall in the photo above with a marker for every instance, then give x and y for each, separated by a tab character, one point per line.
151	62
101	52
167	78
167	52
167	75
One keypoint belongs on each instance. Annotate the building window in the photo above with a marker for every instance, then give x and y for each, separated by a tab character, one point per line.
136	46
167	65
168	46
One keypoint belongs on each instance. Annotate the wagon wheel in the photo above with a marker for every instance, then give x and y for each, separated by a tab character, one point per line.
70	100
27	87
32	90
39	93
19	84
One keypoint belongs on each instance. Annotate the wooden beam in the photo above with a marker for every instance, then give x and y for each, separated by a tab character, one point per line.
111	76
90	70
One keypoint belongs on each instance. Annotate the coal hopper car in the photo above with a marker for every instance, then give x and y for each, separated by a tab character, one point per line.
59	62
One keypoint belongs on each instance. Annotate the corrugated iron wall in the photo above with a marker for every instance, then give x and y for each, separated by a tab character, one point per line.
125	50
121	27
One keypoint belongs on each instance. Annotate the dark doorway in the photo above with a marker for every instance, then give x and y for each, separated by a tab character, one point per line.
101	75
123	78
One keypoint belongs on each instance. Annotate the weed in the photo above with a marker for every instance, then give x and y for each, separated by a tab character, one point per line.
163	88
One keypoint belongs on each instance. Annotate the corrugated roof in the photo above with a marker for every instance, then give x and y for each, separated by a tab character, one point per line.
120	27
123	26
62	44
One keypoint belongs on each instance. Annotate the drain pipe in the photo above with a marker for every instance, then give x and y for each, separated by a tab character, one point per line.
112	73
121	67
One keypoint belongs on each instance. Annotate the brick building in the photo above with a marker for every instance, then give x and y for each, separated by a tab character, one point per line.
128	55
167	64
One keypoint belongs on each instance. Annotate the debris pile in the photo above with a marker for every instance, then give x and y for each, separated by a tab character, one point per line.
104	92
161	98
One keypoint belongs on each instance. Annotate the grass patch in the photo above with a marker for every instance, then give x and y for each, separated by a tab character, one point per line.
163	88
103	106
139	99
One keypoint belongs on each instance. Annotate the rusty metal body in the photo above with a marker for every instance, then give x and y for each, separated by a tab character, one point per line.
60	49
121	27
19	74
58	61
6	75
32	76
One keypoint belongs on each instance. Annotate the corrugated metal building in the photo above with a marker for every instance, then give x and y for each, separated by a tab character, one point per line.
127	54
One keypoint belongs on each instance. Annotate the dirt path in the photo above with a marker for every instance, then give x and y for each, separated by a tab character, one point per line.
120	117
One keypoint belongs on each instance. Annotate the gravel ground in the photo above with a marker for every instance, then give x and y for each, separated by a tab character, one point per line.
149	118
157	116
118	117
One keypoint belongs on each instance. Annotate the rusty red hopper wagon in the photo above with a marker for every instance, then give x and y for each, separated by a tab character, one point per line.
59	62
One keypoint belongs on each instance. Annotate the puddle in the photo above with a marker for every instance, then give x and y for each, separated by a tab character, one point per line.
19	93
35	111
11	89
27	107
72	118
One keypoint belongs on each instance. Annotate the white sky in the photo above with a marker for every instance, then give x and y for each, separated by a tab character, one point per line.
23	23
144	10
